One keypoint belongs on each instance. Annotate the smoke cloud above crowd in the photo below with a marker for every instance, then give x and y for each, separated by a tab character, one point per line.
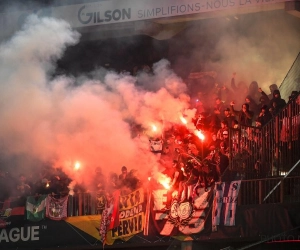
56	121
257	46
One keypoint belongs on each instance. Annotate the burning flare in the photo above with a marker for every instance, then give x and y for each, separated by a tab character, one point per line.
154	128
183	120
200	135
165	181
77	165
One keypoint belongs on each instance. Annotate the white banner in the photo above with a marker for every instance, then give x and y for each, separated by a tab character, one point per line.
224	204
115	11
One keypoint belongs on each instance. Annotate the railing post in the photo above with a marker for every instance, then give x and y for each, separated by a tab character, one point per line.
239	201
70	206
277	145
281	191
80	203
260	192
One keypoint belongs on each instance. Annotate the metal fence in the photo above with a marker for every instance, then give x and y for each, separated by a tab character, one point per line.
269	190
271	150
252	192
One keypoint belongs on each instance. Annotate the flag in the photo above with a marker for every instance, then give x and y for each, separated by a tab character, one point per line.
56	209
11	212
36	207
130	215
224	204
110	216
114	218
184	217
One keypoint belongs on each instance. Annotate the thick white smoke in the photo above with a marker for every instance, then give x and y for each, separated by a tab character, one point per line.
62	120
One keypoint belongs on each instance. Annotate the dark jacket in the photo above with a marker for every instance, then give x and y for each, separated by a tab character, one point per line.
244	118
277	103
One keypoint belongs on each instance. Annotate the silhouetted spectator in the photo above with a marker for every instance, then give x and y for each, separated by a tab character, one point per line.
253	92
264	115
276	103
219	109
252	105
224	127
272	87
123	174
244	115
228	117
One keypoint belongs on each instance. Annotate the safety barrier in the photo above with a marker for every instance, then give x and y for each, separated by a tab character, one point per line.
270	150
252	192
260	191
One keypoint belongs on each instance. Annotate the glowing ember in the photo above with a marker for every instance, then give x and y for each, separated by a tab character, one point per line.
77	165
166	185
149	178
165	181
154	128
184	121
200	135
47	185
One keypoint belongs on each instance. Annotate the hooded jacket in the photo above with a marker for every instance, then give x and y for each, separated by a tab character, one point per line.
277	103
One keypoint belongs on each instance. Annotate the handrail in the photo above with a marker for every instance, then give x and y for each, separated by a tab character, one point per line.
281	180
270	150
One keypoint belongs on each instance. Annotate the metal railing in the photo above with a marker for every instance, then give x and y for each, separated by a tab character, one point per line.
252	192
270	150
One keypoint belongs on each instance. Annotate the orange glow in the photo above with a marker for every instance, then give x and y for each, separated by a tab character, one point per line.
154	128
166	185
165	181
200	135
77	165
149	178
184	121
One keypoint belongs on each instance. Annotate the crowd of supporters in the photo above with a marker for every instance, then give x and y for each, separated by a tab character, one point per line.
187	159
46	181
233	130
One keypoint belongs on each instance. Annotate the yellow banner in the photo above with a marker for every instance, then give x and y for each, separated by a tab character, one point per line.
131	215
